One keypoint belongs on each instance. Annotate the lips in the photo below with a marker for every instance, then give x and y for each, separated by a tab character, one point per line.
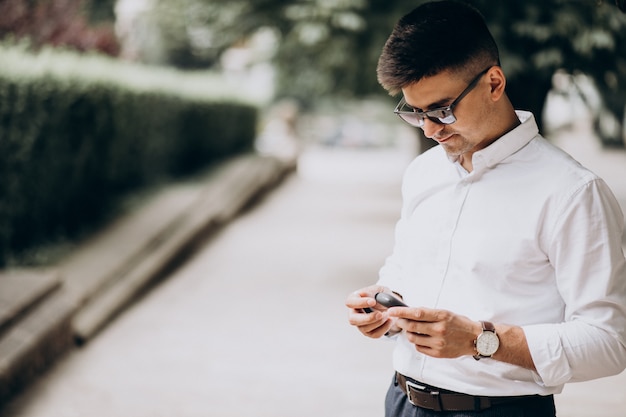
442	139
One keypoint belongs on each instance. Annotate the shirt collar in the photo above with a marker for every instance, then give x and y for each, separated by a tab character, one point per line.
507	144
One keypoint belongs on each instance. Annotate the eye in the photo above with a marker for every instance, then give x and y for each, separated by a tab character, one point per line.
440	113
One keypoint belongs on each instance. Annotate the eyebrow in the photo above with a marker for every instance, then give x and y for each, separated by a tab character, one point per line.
435	105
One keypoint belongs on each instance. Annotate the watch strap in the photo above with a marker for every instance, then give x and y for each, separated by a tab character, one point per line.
487	327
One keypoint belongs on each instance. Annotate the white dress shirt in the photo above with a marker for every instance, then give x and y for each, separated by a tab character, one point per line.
528	238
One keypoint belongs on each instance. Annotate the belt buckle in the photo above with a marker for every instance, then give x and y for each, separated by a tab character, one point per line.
434	394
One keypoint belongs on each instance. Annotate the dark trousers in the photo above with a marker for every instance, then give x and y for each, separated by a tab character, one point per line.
398	405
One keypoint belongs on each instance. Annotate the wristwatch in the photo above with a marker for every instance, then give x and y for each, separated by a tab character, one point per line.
487	342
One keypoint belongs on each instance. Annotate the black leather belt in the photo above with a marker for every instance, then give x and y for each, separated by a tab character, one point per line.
436	399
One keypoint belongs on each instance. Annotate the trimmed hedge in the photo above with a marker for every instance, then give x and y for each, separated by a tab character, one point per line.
77	132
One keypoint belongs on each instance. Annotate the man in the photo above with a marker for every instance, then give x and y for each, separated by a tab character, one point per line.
508	252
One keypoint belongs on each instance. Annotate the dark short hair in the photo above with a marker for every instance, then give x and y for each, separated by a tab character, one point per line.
436	36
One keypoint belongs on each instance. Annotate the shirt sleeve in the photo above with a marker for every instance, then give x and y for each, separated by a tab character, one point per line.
585	249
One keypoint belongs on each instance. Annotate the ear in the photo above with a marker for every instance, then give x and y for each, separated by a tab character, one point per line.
497	81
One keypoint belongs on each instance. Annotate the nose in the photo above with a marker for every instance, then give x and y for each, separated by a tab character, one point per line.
431	128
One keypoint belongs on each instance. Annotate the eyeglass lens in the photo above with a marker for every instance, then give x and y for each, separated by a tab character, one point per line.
442	115
439	116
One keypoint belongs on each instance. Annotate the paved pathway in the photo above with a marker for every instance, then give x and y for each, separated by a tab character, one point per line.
254	324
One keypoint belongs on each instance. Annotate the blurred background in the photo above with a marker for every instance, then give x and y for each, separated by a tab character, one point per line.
80	80
105	102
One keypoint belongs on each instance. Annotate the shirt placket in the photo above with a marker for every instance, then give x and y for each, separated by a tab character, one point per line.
445	249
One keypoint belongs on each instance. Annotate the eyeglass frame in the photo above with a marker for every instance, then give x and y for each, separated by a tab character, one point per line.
446	112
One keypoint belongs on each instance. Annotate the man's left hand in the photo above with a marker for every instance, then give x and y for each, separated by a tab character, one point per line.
437	333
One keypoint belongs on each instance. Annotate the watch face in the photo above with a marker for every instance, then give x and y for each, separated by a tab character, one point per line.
487	343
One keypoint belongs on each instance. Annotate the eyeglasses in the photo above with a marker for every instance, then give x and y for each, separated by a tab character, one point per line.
440	115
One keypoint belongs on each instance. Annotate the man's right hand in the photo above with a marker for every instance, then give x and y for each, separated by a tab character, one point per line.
374	324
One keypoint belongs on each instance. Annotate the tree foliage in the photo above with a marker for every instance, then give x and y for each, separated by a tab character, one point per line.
329	48
539	37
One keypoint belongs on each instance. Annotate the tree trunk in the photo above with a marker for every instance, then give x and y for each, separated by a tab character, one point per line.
528	91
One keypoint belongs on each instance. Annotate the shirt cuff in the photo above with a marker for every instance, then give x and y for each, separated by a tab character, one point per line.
546	349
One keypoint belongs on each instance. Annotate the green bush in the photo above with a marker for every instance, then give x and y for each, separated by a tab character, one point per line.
77	132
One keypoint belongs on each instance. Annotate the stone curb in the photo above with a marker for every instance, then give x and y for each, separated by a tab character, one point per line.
239	183
108	272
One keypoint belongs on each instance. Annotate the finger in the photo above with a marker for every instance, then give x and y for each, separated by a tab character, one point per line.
415	327
359	318
408	313
420	339
421	314
377	331
360	303
374	324
364	297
